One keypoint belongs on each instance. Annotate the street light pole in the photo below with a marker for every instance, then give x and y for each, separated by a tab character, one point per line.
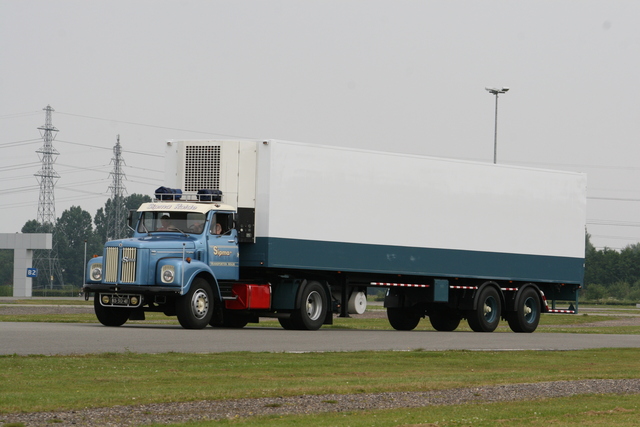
495	92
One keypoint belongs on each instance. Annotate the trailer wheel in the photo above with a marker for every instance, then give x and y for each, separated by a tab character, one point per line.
195	308
312	311
486	316
442	320
402	318
527	314
110	316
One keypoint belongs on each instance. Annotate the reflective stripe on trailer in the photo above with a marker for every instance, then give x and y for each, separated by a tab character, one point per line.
401	285
463	287
509	289
549	310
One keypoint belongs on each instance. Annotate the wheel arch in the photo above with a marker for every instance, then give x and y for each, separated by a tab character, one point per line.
521	290
210	278
488	284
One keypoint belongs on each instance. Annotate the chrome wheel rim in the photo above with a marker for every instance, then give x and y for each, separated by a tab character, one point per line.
200	304
314	305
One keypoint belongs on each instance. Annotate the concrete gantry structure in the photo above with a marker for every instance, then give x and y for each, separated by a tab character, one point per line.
23	246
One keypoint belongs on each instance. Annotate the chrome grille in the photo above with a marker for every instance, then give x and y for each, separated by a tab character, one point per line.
128	273
111	265
123	259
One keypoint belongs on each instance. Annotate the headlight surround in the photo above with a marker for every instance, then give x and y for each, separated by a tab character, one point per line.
168	274
95	272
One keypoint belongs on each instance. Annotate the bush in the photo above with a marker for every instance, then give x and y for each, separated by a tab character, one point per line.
614	293
6	291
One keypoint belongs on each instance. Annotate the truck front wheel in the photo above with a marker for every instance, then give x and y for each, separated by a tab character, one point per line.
110	316
195	308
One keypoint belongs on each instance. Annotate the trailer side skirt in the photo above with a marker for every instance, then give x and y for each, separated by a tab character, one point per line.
379	259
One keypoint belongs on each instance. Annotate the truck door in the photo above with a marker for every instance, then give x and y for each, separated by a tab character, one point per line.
222	238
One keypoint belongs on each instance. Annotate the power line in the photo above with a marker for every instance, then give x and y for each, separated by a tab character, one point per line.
613	223
616	237
105	148
617	199
16	143
573	165
20	166
15	115
155	126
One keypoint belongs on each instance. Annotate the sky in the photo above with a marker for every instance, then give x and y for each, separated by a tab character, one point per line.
397	75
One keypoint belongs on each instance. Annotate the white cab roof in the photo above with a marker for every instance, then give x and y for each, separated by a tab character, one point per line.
178	206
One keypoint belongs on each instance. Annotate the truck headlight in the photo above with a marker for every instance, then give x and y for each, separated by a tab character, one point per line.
96	272
168	273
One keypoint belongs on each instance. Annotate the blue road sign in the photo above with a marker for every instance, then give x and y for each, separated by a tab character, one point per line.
32	272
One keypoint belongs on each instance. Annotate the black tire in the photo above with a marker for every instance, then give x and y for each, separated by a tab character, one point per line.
286	323
312	311
486	316
442	320
195	308
234	320
402	319
110	316
527	314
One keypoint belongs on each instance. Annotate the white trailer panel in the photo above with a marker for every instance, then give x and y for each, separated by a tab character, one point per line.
324	193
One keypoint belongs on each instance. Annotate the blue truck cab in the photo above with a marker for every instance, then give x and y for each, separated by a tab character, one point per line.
178	256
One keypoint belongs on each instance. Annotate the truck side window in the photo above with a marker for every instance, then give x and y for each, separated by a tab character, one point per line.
221	224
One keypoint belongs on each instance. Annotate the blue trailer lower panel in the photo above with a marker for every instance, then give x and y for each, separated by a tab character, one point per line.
353	257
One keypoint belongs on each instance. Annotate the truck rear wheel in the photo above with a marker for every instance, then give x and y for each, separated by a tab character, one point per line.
441	320
195	308
527	314
110	316
312	311
286	323
234	320
486	316
402	318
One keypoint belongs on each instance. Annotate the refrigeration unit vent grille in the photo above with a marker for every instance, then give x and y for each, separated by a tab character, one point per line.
202	167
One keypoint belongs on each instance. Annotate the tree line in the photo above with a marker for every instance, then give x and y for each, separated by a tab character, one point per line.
611	276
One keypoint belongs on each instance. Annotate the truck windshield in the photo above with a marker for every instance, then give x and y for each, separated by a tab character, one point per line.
185	222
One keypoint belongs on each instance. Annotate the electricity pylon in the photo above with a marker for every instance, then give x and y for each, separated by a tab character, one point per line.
117	215
46	261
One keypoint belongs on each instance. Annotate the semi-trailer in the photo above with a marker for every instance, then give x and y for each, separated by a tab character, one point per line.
246	229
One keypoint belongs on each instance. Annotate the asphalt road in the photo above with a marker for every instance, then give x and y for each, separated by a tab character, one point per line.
76	338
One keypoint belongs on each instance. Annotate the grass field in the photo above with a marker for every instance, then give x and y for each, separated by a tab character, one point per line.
46	383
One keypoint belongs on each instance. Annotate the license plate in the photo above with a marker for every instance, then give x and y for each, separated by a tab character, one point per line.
120	300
